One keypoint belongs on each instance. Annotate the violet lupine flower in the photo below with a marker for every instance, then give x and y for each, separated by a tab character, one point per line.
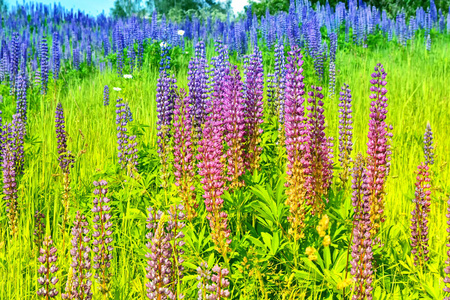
212	285
318	156
39	228
280	81
122	136
183	152
56	55
81	262
48	269
295	130
345	132
428	148
233	112
447	261
378	149
210	169
44	65
128	113
9	182
65	158
362	269
332	81
164	259
21	105
419	219
428	43
198	87
102	235
253	93
18	134
106	96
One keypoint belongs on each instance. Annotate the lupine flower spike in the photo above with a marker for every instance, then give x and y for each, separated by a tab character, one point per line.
212	285
378	149
295	129
48	269
80	287
106	96
428	148
39	228
447	261
419	219
345	132
362	269
102	239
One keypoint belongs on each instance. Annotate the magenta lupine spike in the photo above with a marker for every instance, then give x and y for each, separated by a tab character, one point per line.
183	152
419	219
233	111
253	92
428	145
80	287
378	148
102	239
212	285
345	132
165	244
48	269
295	131
318	156
10	183
362	268
447	261
210	169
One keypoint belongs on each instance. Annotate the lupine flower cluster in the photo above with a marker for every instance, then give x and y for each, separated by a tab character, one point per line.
44	65
102	239
295	129
164	269
183	152
362	268
447	261
419	219
345	132
378	149
319	165
65	158
79	286
253	93
106	96
233	111
21	105
332	81
428	148
214	285
39	228
48	269
126	144
56	55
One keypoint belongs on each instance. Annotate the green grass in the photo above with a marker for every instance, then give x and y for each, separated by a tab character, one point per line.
418	91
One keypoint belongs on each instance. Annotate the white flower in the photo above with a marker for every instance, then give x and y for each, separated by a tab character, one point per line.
181	32
163	44
127	76
117	89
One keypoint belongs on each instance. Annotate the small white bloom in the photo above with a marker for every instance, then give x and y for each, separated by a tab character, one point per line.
117	89
181	32
163	44
127	76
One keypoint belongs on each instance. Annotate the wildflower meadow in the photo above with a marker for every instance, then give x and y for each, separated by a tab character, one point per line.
296	155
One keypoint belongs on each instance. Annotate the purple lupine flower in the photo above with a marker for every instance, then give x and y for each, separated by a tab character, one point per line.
44	65
428	43
39	228
345	132
333	46
362	269
65	158
253	93
210	166
48	269
318	156
9	181
332	81
56	55
212	285
378	149
183	152
419	219
106	96
122	136
102	235
80	287
428	148
164	259
233	111
18	134
295	131
129	114
279	81
21	105
447	261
